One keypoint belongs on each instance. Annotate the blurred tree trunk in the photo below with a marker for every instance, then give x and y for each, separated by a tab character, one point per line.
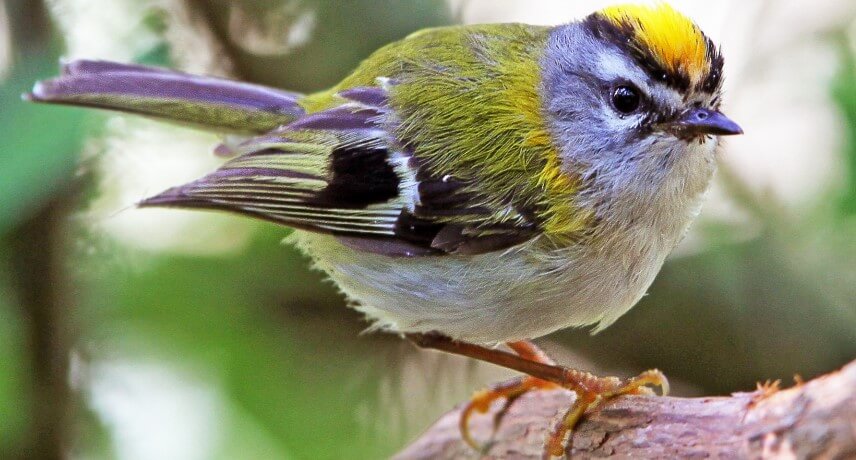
36	252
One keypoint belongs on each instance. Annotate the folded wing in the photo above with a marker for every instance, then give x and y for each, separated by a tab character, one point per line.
342	171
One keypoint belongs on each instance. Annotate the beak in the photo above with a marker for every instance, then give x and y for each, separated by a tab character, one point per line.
699	122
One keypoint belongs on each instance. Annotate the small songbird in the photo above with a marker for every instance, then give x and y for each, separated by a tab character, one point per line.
469	186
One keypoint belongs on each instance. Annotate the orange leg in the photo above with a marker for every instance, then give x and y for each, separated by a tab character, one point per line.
542	373
528	350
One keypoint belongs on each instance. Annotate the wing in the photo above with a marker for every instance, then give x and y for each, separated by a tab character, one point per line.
343	172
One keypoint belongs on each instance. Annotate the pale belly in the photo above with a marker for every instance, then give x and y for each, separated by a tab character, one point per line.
489	298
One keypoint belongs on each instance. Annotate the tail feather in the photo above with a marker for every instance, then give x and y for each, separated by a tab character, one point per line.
91	67
209	103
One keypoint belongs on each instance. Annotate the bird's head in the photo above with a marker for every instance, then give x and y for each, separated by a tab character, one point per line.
633	95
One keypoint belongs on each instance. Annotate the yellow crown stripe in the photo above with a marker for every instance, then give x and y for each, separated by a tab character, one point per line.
674	40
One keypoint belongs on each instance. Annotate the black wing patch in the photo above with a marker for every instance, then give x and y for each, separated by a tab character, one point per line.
448	217
359	177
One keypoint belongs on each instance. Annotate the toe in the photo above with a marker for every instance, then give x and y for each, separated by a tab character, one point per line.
483	400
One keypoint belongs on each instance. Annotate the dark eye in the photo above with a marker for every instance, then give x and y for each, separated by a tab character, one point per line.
626	99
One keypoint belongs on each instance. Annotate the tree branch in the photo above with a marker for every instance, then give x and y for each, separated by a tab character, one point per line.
814	420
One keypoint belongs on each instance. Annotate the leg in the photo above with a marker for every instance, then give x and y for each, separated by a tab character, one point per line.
591	390
528	350
548	372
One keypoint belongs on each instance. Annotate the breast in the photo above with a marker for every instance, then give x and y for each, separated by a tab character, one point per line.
648	219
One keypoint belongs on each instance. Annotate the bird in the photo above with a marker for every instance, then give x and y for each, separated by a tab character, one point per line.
468	187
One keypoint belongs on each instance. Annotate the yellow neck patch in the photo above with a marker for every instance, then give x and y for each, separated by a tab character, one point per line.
671	38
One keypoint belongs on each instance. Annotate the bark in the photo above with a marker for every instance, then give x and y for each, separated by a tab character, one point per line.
813	420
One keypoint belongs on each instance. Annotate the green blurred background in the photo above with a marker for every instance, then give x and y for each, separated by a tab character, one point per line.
172	335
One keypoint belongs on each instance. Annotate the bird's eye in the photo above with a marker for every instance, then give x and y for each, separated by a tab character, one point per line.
626	99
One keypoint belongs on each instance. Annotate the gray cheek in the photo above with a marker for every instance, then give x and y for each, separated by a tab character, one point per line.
595	137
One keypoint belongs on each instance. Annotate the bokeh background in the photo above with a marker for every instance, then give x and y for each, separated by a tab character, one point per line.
144	334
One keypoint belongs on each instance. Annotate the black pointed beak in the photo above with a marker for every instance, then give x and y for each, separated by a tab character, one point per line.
699	122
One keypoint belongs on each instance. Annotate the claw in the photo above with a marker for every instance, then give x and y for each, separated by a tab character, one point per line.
480	403
497	418
651	378
556	446
482	400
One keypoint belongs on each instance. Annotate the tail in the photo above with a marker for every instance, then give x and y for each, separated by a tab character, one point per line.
209	103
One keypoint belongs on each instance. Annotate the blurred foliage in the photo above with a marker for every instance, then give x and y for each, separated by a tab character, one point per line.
40	145
286	361
15	400
342	35
254	323
844	95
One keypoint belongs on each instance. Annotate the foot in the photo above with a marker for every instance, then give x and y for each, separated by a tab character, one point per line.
541	373
591	392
